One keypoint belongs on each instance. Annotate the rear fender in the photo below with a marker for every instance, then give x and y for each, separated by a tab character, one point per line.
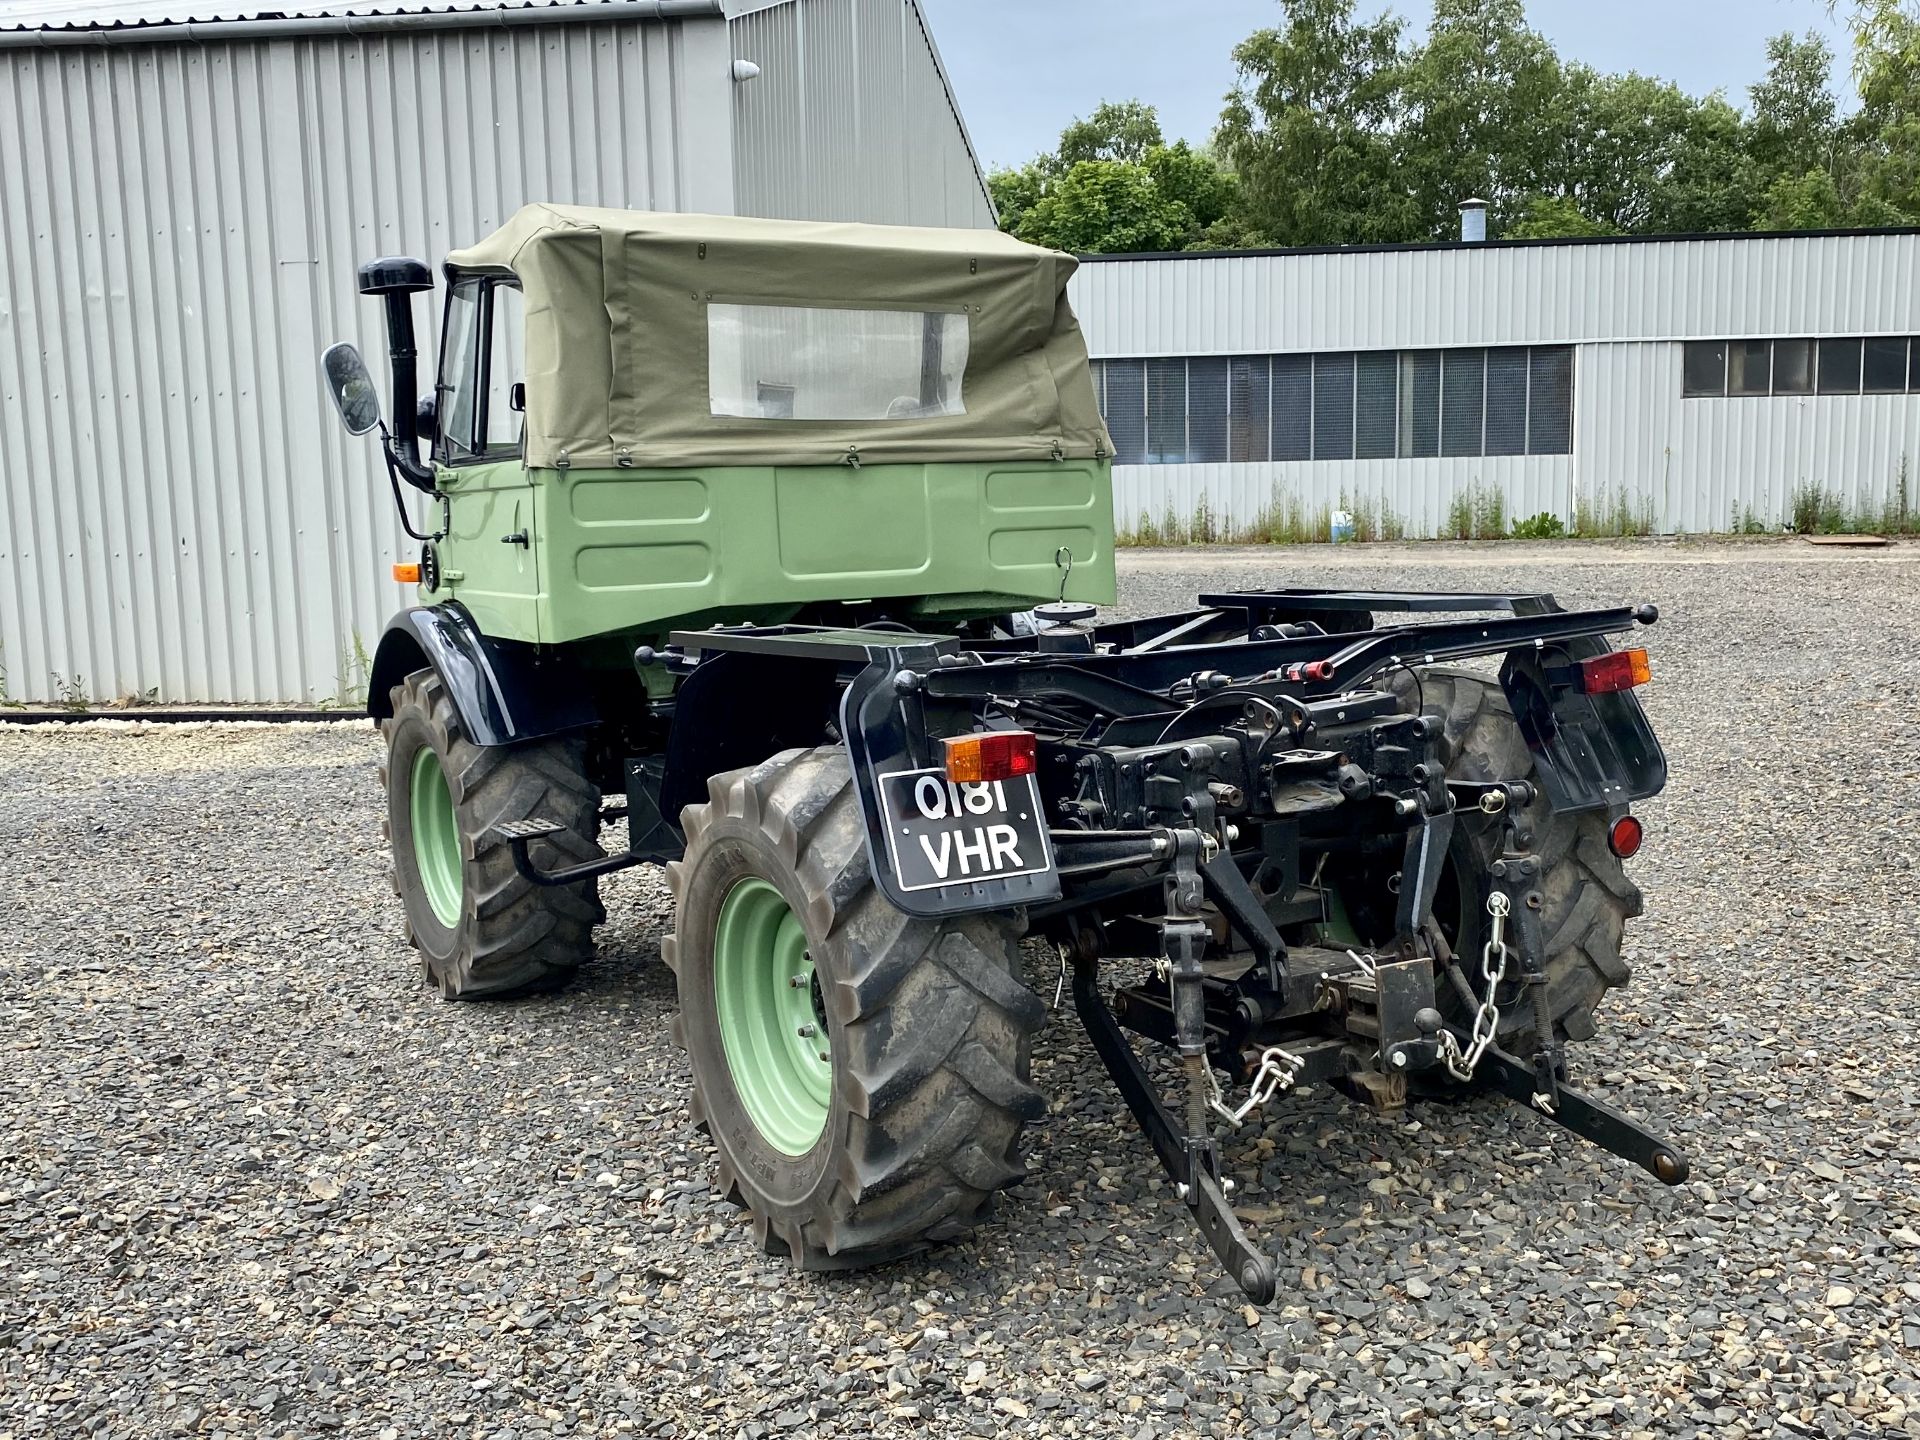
503	690
886	733
1590	752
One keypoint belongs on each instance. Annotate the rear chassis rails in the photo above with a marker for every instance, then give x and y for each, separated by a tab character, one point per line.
1196	773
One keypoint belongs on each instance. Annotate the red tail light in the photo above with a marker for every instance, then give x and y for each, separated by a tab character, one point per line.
1624	837
991	755
1616	670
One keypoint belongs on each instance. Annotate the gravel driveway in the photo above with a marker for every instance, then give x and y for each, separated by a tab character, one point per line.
256	1180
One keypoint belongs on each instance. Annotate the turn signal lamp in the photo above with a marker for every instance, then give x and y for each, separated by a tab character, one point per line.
1624	837
991	755
1616	670
407	574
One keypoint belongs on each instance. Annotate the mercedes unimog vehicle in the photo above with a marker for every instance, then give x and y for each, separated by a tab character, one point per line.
773	552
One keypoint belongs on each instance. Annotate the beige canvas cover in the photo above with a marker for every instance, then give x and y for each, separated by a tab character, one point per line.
618	321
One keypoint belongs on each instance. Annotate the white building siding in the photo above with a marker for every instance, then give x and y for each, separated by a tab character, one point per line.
851	117
1500	295
179	230
1627	309
1707	464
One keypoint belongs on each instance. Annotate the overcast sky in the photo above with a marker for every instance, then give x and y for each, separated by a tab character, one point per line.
1024	68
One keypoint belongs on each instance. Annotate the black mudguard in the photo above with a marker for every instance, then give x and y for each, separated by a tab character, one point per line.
1590	752
504	690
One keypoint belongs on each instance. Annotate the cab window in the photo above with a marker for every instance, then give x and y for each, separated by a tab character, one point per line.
482	370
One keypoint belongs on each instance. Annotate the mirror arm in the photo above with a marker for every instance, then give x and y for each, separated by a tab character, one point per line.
396	469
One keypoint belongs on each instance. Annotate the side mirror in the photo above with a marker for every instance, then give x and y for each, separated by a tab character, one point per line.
354	395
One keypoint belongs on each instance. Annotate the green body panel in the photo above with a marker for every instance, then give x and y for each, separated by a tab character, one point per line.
649	551
498	581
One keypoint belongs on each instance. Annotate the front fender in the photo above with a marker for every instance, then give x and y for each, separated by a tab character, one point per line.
502	690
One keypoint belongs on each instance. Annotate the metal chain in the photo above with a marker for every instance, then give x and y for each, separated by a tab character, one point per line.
1486	1020
1276	1072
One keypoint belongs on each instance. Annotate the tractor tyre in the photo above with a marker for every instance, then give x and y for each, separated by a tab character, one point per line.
1587	897
863	1074
483	931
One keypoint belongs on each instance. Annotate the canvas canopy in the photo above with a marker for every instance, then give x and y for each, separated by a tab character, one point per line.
672	340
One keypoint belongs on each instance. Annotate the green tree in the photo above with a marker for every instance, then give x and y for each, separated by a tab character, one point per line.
1555	217
1106	206
1114	186
1886	66
1117	130
1309	129
1482	96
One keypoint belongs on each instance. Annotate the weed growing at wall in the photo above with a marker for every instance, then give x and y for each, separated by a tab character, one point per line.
1285	519
1544	526
1611	513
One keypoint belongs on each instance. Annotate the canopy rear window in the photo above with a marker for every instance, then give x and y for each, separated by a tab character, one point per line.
807	362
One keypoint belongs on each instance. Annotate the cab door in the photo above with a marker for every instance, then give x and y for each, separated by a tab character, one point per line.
490	558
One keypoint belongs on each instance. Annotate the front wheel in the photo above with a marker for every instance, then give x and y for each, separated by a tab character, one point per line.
482	930
863	1074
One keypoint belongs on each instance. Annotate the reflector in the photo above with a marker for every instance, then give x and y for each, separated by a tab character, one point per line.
1624	837
991	755
1616	670
407	574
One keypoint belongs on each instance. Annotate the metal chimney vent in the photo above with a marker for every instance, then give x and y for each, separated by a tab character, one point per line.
1473	220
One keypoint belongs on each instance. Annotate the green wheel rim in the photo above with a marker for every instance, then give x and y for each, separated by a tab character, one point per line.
436	837
772	1023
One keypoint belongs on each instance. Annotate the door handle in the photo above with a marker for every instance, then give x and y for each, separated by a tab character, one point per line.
518	537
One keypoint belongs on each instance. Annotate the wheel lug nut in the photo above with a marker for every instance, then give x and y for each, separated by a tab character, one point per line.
798	982
824	1056
807	1032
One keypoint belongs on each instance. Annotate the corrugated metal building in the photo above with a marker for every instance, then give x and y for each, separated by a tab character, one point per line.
185	191
1689	382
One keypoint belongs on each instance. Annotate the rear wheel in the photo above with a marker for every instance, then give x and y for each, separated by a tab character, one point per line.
482	930
863	1074
1586	896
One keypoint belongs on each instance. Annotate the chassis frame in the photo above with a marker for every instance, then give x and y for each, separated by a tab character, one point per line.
1189	764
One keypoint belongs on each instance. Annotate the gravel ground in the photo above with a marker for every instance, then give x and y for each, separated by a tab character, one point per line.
255	1180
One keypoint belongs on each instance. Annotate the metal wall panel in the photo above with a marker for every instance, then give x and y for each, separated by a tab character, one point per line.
179	228
1501	295
1696	465
851	118
1706	464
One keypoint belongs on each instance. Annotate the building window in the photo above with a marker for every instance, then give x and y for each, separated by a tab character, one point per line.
1793	367
1506	402
1885	369
1124	402
1838	365
1550	400
1704	368
1420	404
1166	412
1293	407
1376	406
1839	372
1749	367
1371	405
1206	411
1249	386
1463	402
1333	406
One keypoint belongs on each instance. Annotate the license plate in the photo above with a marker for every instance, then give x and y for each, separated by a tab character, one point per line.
940	833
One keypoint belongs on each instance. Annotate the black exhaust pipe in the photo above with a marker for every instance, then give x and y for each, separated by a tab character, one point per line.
396	278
